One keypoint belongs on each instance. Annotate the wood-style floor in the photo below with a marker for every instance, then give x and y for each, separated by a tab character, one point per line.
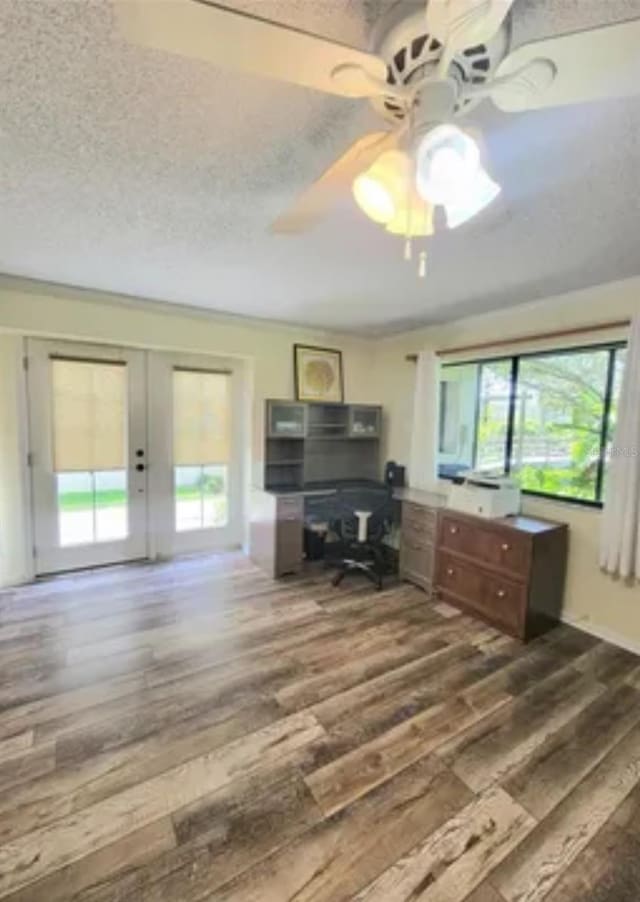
194	731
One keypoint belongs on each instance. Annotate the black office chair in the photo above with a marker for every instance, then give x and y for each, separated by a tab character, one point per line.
361	547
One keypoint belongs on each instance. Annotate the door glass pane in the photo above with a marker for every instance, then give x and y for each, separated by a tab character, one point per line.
92	507
214	496
560	405
110	505
286	419
75	508
364	421
188	497
201	448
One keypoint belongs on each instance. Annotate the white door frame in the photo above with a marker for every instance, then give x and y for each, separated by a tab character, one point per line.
49	556
165	541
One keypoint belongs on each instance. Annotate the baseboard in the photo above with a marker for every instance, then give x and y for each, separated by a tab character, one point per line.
603	633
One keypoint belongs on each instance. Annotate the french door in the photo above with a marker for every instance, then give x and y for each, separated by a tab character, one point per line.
88	440
134	454
196	481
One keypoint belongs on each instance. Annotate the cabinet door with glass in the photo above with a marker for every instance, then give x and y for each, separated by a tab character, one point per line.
364	421
286	419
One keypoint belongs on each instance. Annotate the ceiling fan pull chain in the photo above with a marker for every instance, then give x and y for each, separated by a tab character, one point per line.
422	264
407	248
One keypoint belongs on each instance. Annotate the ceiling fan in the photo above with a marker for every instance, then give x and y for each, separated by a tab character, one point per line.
433	64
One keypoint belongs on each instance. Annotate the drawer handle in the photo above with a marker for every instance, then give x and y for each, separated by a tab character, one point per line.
506	546
453	530
450	571
501	593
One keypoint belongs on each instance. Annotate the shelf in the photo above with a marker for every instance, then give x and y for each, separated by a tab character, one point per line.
285	463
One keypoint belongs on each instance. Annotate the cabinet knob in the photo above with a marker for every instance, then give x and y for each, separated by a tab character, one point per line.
453	530
449	571
501	593
506	546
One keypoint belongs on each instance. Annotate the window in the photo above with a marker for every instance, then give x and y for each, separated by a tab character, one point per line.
544	418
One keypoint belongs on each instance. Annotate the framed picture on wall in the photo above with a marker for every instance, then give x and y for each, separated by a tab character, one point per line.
318	374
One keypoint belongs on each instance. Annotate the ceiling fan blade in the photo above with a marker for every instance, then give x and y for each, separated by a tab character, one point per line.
465	23
246	43
589	65
315	203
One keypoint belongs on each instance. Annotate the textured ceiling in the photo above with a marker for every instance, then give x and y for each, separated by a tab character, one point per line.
130	171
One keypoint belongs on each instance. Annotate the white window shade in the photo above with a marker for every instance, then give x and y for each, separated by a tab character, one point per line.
89	415
201	418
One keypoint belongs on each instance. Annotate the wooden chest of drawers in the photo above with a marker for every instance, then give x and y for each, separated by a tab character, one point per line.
510	571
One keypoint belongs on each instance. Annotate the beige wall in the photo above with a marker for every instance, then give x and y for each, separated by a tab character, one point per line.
593	600
34	309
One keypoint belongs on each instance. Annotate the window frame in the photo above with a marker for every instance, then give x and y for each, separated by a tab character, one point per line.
613	347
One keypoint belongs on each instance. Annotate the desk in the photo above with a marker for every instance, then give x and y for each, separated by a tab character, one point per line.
277	520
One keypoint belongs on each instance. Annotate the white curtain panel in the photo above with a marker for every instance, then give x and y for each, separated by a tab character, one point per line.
423	460
620	541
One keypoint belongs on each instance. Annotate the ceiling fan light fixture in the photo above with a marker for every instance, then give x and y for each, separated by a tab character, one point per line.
483	191
413	219
379	191
374	198
447	164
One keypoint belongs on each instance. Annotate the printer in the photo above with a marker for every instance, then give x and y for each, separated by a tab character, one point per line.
484	495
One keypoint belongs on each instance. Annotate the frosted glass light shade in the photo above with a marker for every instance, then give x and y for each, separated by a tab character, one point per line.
447	162
381	189
481	193
413	220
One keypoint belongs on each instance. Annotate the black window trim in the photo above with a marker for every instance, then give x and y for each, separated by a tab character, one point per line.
612	347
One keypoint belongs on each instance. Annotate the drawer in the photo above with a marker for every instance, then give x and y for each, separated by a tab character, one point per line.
492	596
418	520
504	601
290	508
502	548
288	551
461	579
508	550
415	539
459	535
417	561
